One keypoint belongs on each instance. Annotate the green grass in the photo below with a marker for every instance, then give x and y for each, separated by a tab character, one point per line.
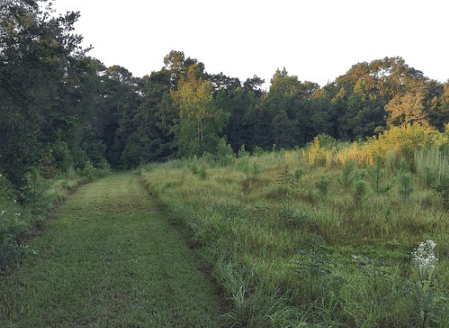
110	258
301	245
292	243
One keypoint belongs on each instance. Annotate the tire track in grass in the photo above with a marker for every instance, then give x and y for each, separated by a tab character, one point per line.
109	259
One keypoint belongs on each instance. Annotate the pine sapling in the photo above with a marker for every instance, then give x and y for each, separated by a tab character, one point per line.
359	194
323	186
348	174
375	175
405	184
405	179
428	177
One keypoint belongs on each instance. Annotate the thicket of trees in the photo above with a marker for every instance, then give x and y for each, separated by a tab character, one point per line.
60	108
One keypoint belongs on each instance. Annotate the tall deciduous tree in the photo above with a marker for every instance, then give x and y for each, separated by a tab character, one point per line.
406	109
200	122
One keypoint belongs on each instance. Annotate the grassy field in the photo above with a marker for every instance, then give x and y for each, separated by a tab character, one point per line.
109	258
296	243
316	237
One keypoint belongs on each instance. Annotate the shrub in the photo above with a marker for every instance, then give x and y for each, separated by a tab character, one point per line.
404	141
242	152
34	190
257	151
193	165
13	220
62	155
314	154
225	154
202	172
394	143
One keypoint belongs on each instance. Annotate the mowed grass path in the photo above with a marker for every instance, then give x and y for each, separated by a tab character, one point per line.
109	259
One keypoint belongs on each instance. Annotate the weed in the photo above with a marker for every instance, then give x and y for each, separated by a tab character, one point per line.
425	259
427	301
258	221
243	164
314	262
298	173
291	219
257	168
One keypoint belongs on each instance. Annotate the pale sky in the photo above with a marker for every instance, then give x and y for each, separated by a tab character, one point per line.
316	40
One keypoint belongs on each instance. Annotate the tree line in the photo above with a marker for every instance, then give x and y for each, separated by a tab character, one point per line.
61	108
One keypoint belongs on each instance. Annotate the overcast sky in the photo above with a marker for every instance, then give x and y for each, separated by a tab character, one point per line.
317	40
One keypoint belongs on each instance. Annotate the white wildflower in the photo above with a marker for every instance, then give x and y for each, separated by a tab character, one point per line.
424	257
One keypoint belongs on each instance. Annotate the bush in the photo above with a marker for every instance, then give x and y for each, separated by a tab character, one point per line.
225	155
34	190
392	144
404	141
314	154
90	172
193	165
202	173
257	151
13	220
242	152
62	155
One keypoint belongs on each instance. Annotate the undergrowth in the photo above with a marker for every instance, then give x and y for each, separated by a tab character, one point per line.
319	240
25	209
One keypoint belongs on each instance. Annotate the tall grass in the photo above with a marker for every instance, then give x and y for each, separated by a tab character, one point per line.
304	238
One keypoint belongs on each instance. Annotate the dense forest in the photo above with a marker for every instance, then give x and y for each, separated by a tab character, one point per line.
61	108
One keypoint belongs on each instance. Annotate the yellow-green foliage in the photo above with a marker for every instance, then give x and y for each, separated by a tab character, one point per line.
315	154
402	141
